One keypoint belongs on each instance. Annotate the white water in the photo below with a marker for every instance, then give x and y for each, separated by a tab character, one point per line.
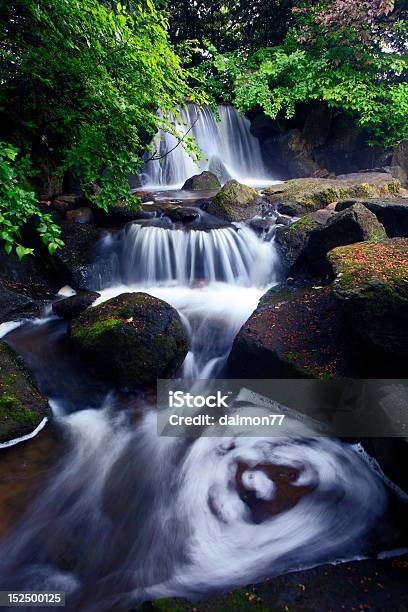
228	147
213	278
129	516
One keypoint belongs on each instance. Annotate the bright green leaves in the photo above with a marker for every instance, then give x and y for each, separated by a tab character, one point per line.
93	75
18	205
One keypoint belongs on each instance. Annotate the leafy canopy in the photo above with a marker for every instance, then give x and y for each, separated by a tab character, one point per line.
81	84
350	54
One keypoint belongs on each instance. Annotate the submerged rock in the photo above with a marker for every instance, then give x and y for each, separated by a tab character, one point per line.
235	202
298	197
371	286
202	182
132	339
392	213
22	407
72	306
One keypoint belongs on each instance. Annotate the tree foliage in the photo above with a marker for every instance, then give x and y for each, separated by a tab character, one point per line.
350	54
81	84
18	203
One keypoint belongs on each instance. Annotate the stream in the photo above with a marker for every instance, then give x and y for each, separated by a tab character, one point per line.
123	515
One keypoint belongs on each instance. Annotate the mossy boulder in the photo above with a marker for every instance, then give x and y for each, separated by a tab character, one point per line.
371	285
391	212
235	202
355	224
298	197
132	339
202	182
22	407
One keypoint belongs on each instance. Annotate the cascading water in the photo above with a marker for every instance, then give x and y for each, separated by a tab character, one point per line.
129	516
228	147
213	278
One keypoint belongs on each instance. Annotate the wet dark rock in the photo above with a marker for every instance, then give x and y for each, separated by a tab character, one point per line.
74	260
132	339
371	287
119	214
392	213
80	215
182	214
235	202
262	226
145	196
295	332
22	407
355	224
283	219
304	331
292	239
15	306
202	182
71	307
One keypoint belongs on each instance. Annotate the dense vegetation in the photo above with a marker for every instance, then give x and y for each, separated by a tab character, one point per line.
351	55
82	81
81	84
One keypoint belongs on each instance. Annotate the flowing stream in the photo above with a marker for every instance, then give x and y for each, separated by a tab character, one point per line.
127	515
227	146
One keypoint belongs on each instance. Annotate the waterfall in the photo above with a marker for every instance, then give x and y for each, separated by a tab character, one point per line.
228	147
213	278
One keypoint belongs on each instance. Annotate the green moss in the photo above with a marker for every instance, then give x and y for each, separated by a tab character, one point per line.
365	190
377	234
12	409
90	334
302	225
392	188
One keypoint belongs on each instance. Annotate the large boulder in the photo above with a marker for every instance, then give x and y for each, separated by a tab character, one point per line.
295	332
22	407
392	213
298	197
355	224
202	182
235	202
371	286
292	238
132	339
